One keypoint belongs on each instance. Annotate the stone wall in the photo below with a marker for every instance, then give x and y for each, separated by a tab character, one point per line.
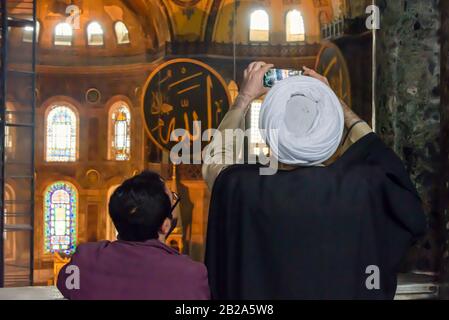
357	8
444	193
408	108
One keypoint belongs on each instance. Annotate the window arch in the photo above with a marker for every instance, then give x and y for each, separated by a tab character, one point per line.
10	132
111	231
60	214
8	136
294	25
120	132
122	33
233	90
28	33
61	134
9	211
257	144
259	26
63	34
95	34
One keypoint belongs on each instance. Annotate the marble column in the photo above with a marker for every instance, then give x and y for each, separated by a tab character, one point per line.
408	108
444	142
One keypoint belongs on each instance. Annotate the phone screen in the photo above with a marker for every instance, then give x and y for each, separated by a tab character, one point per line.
273	76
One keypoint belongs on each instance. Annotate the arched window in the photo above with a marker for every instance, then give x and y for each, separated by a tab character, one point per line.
9	238
111	231
28	33
63	34
9	131
259	26
295	26
120	131
95	34
8	136
62	134
122	33
233	90
257	144
60	213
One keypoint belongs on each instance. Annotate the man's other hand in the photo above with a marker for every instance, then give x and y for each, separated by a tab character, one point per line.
312	73
252	87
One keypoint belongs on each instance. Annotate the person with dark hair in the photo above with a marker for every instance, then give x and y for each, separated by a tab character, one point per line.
138	266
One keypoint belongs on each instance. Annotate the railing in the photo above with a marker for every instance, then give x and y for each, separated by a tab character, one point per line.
242	50
345	27
333	30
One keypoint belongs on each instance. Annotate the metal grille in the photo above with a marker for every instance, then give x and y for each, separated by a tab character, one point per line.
17	110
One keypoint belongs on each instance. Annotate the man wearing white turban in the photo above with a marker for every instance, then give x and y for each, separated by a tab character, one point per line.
311	230
302	120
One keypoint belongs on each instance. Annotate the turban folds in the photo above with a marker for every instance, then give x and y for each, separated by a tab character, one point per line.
302	121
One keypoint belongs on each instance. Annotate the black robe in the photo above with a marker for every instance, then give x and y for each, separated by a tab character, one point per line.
313	233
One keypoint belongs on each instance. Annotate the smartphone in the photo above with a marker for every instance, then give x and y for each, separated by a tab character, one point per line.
273	76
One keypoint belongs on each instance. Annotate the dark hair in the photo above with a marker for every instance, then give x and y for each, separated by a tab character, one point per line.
139	207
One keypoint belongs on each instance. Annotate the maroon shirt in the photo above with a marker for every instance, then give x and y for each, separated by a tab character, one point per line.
123	270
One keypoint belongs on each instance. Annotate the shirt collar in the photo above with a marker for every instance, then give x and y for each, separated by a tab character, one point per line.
152	243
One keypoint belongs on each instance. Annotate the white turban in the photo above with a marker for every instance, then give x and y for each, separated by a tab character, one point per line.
302	121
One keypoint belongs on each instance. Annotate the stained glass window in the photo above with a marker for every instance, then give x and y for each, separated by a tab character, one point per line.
260	26
233	90
63	34
95	34
122	33
121	132
60	210
62	129
295	26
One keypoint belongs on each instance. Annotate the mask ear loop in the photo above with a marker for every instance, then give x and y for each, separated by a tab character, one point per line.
173	219
173	226
349	131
